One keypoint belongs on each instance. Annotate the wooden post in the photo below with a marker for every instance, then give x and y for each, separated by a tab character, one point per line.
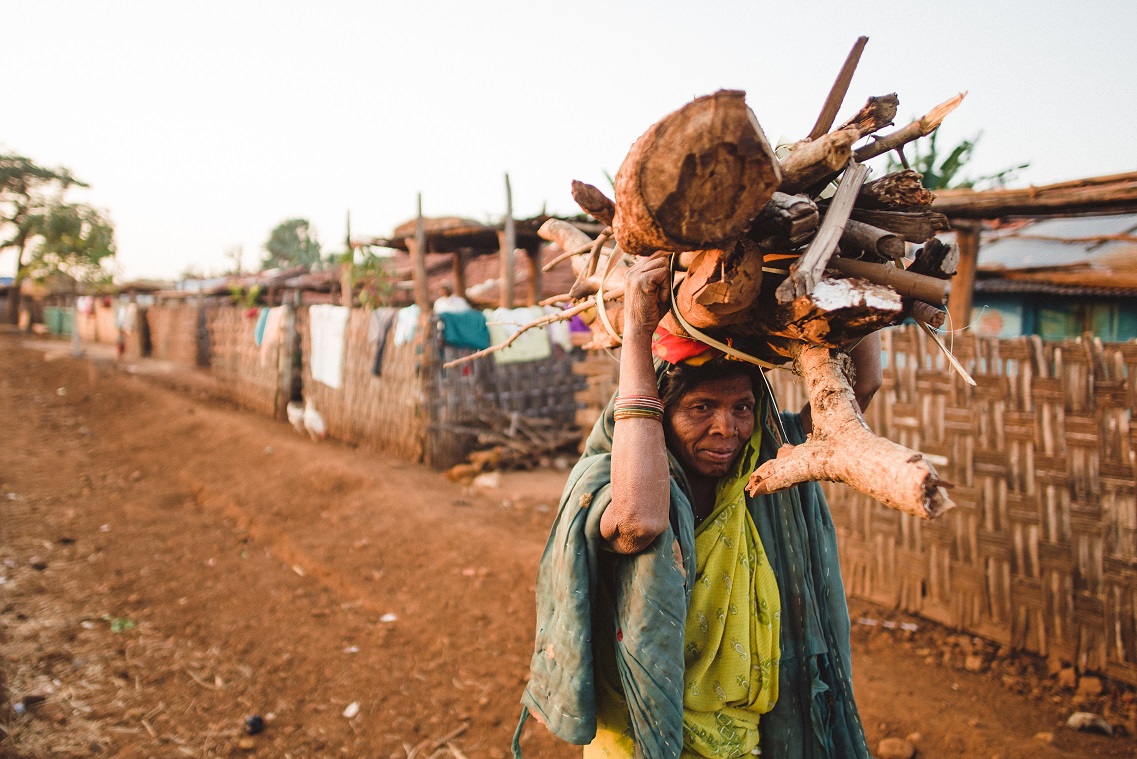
963	283
418	256
536	284
459	268
507	245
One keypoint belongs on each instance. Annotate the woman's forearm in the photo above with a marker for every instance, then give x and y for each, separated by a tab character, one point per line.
640	483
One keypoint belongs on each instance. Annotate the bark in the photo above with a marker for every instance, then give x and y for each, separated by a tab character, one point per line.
843	449
835	313
913	226
786	222
898	191
1115	193
906	283
570	239
921	127
594	202
838	91
815	162
721	285
936	259
880	244
807	270
695	179
811	162
927	313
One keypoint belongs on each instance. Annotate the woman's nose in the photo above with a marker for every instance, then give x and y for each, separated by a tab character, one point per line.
723	424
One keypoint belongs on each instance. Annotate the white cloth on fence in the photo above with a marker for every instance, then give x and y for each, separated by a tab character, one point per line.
559	333
274	328
533	345
85	304
406	324
327	326
451	304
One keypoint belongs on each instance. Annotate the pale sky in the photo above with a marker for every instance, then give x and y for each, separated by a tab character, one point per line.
202	125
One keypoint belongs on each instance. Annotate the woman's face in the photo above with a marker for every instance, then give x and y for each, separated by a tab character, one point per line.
709	425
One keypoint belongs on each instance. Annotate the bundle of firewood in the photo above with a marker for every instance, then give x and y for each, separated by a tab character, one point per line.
780	260
505	440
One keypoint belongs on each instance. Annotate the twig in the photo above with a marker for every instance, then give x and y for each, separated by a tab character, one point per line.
454	750
434	745
566	256
201	682
562	298
568	313
921	127
951	359
840	88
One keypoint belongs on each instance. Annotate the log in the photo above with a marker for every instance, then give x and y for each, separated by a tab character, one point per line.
927	313
807	270
594	202
880	243
695	179
835	313
838	91
921	127
907	283
571	240
913	226
1108	194
721	285
936	259
874	115
816	162
786	222
898	191
812	162
842	448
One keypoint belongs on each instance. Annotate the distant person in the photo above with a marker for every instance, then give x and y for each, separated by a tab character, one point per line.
449	303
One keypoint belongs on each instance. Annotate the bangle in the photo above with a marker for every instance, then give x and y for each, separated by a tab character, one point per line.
638	407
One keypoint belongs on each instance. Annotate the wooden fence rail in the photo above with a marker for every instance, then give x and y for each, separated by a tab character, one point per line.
1041	553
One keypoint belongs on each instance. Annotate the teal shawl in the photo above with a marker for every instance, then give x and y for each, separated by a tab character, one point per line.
815	716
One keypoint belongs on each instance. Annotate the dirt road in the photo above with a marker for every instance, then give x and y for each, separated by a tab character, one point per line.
172	566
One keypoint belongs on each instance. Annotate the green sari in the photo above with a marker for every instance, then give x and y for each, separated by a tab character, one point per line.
596	610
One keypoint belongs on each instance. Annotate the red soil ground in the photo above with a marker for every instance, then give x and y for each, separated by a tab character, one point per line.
170	565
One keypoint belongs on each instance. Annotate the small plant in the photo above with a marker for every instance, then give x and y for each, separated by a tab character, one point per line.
241	296
119	624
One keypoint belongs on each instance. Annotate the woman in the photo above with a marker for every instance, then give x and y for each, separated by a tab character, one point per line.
676	615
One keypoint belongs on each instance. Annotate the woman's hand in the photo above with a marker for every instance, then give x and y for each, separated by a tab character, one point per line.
647	293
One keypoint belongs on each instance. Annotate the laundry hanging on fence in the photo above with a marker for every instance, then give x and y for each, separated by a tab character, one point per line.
406	324
533	345
465	329
327	326
377	331
259	330
271	332
85	304
559	333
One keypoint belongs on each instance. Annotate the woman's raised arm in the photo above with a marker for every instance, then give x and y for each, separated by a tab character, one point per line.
641	490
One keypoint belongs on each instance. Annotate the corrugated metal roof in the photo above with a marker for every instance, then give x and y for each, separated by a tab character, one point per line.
1061	243
1025	286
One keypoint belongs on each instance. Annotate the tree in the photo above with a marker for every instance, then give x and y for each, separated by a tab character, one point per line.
32	204
72	239
943	174
291	243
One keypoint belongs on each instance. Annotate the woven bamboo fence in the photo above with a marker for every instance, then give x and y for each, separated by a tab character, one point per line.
175	331
251	376
135	334
384	413
98	326
1041	553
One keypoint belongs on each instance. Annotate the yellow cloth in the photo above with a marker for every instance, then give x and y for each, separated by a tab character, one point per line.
732	639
